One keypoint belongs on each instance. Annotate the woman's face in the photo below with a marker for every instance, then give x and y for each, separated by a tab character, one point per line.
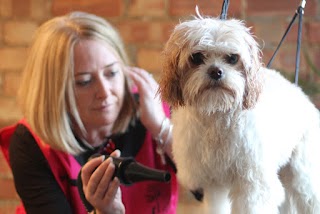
99	84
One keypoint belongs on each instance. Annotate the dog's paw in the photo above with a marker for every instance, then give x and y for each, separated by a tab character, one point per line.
198	194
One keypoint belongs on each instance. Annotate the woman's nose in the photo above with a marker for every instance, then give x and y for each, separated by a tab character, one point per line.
102	89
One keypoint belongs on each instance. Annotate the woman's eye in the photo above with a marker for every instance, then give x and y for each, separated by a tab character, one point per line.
232	59
197	58
111	73
82	82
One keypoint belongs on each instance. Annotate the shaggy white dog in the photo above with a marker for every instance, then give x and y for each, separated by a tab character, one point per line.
245	139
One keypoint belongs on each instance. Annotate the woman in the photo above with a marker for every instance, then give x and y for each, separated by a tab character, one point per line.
77	99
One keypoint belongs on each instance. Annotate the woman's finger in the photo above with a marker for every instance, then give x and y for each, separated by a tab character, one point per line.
116	153
146	76
89	168
104	183
112	190
143	79
96	177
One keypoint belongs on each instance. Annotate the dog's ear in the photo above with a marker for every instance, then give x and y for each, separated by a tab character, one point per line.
170	87
252	68
252	91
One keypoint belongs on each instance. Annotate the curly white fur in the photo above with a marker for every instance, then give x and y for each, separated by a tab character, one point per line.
243	133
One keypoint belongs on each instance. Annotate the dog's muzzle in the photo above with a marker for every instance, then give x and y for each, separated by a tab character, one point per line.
215	72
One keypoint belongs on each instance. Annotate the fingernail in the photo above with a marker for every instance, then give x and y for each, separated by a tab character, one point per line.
116	179
109	160
119	152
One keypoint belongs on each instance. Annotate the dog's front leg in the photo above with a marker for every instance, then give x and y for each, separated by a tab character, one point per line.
261	195
216	200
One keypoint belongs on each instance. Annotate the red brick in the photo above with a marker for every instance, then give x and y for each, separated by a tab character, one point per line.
235	8
12	58
21	8
5	8
156	32
150	59
315	59
314	32
105	8
40	9
7	122
268	32
293	34
4	167
11	83
267	54
10	112
280	7
287	57
167	29
19	32
146	8
145	32
310	85
134	31
310	8
206	7
316	101
8	190
1	33
272	34
9	207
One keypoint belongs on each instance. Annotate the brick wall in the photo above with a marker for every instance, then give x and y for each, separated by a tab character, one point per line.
145	26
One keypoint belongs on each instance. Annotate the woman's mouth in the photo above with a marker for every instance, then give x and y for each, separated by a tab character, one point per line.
102	107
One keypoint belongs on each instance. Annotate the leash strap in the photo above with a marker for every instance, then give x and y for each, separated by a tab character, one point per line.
300	12
282	39
224	10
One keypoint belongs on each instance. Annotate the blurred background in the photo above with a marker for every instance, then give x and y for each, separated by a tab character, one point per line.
145	26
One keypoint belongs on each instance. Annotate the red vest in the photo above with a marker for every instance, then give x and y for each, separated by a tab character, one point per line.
140	198
62	166
151	197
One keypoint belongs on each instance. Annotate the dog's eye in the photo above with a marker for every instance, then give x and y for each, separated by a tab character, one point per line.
232	59
197	58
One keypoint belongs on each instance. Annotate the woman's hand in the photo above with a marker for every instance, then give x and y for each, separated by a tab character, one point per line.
100	189
151	109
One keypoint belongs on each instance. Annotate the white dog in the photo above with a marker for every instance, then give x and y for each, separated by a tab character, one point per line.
244	137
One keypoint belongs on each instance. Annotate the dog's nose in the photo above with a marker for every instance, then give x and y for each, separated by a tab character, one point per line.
215	72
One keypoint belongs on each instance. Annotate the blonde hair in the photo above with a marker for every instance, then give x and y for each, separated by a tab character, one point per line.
47	91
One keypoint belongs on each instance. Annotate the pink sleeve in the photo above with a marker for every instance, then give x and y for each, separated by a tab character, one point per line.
166	109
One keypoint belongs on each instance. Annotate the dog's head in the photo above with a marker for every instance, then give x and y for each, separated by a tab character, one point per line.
211	64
